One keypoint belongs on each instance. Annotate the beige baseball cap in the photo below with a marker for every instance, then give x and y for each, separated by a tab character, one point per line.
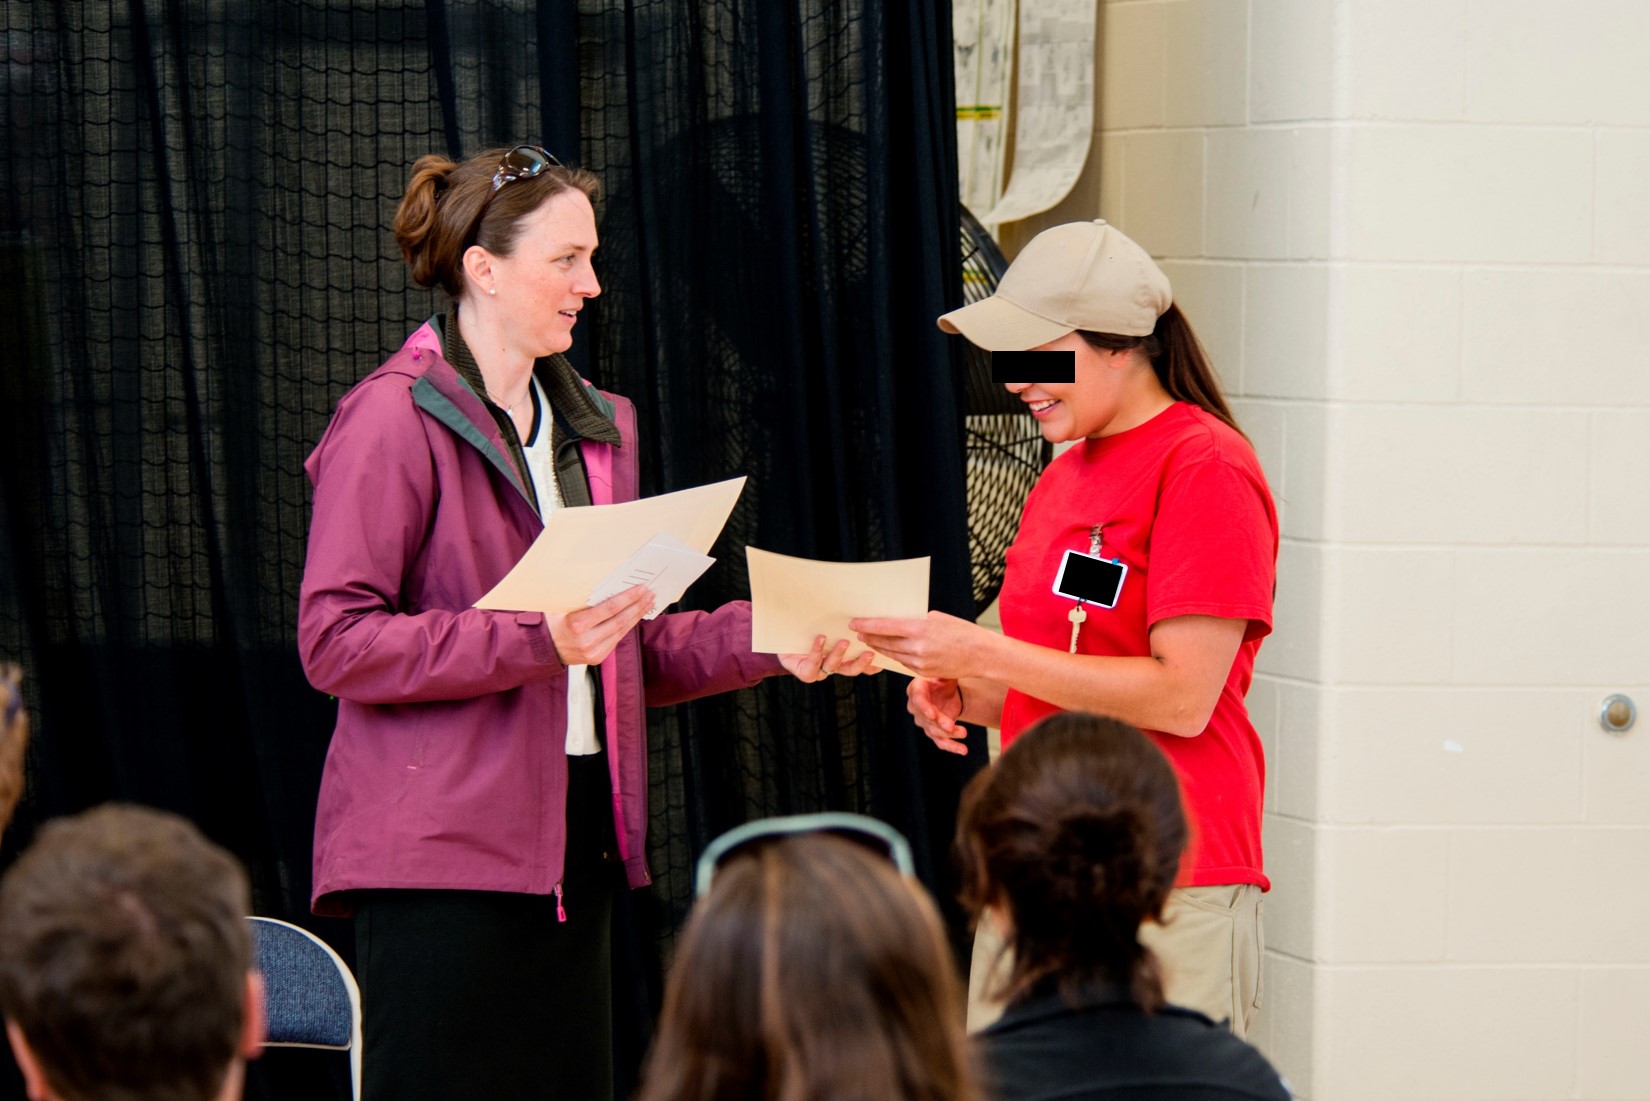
1081	275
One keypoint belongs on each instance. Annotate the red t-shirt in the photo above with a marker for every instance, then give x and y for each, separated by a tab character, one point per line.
1184	505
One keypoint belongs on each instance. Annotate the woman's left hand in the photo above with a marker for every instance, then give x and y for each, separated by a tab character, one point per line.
938	646
819	662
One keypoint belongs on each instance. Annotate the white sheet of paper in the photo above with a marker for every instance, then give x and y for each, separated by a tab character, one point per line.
664	565
580	547
794	600
1054	106
982	39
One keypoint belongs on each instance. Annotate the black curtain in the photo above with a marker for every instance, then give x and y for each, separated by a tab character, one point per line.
195	262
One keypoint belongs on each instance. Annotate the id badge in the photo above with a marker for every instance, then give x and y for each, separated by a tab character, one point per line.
1090	579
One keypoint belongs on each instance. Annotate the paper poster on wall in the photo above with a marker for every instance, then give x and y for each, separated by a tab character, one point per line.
982	34
1054	106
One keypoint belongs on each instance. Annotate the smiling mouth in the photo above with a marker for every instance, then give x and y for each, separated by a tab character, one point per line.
1039	406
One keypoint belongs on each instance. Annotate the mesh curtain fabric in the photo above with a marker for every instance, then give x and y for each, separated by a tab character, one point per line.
195	260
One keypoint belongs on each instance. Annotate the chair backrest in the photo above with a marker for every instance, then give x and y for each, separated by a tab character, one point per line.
310	997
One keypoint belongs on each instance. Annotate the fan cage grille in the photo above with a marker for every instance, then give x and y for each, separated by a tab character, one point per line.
1005	451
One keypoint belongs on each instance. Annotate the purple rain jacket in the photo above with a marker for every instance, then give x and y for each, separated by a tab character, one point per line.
448	766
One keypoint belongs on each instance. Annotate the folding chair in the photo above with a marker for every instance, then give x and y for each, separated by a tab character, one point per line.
310	997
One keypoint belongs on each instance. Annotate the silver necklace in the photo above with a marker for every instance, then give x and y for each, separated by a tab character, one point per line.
509	410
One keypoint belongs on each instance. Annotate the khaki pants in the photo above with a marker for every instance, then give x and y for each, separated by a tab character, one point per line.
1209	948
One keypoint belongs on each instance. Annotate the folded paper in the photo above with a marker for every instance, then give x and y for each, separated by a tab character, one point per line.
664	565
581	548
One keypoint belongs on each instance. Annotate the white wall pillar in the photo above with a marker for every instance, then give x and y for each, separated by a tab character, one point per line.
1415	236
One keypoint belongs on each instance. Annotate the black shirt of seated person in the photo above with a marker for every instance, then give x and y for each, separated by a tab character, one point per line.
1106	1048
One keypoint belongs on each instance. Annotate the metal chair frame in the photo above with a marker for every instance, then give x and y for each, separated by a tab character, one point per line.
350	986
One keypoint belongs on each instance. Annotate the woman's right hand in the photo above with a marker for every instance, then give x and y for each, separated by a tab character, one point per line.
935	706
588	635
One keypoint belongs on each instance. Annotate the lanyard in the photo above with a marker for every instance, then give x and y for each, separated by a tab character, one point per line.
1078	615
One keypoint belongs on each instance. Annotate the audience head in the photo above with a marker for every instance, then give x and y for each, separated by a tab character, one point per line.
126	963
452	205
1071	841
811	970
14	740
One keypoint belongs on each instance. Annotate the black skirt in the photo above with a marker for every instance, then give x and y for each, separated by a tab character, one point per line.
486	994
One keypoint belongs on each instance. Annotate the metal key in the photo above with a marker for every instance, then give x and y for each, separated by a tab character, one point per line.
1077	615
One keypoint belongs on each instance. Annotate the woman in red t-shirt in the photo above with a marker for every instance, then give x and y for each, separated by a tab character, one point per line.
1139	585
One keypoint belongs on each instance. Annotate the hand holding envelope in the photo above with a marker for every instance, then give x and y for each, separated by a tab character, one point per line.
597	570
795	600
586	636
665	565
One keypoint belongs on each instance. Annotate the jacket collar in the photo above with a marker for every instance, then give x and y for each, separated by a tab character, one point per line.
441	393
583	411
580	409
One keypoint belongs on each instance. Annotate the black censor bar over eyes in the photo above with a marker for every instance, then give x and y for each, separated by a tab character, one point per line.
1050	366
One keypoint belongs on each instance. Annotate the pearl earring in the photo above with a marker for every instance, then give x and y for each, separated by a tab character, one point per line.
492	290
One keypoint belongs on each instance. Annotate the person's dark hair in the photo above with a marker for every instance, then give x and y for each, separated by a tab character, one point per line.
811	971
437	218
14	740
1178	359
1076	833
125	954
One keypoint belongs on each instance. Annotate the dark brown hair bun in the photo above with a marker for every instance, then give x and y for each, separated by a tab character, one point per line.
1076	834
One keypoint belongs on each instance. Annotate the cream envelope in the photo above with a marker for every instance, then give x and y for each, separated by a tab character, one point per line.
794	600
579	548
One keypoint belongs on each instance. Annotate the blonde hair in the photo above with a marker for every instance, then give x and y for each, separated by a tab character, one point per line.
14	740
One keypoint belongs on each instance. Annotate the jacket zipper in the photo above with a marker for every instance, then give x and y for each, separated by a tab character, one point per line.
561	912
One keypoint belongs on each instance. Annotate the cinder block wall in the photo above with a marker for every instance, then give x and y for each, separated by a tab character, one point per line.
1415	235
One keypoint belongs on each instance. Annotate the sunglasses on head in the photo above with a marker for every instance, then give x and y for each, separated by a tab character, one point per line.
878	836
523	163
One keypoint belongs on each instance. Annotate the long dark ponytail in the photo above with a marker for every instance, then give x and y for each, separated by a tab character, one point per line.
1179	361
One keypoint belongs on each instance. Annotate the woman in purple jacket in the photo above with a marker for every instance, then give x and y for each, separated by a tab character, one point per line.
484	793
